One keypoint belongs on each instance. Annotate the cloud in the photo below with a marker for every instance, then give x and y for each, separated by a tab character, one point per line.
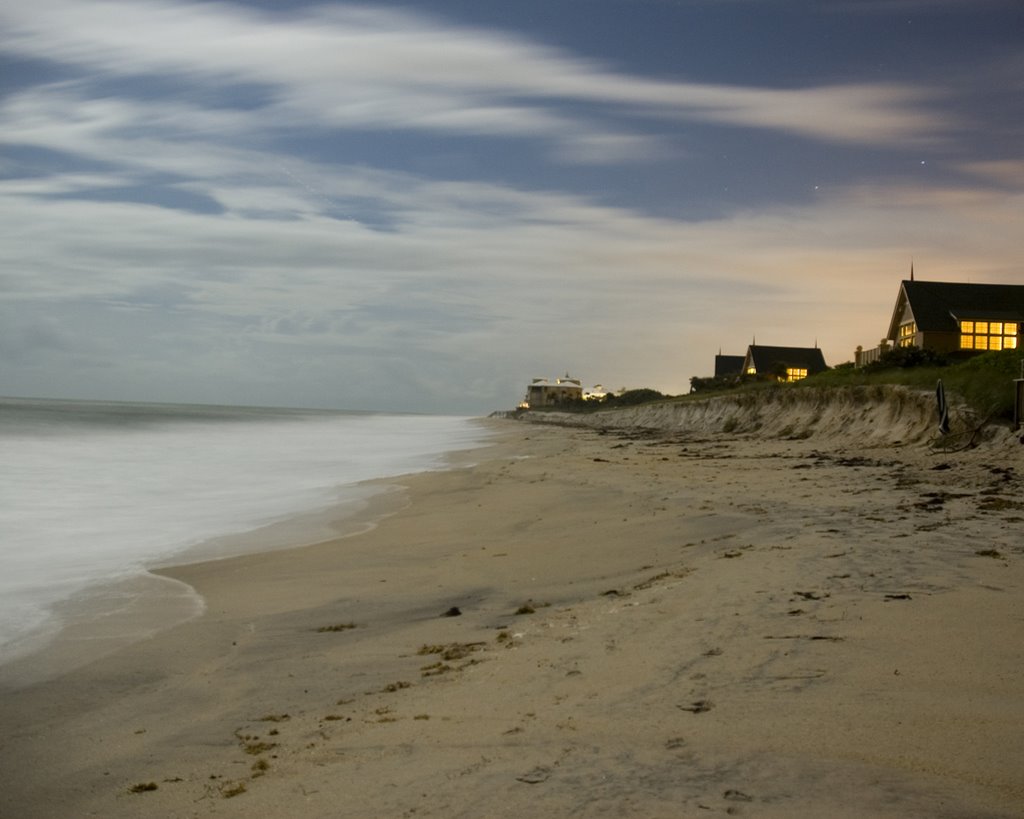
472	274
312	281
364	68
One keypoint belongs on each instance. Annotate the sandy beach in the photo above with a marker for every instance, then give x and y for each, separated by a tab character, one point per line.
582	622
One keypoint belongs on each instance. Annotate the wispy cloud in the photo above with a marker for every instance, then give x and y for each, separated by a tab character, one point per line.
364	68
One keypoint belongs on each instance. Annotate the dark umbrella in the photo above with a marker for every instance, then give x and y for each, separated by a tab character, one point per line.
940	397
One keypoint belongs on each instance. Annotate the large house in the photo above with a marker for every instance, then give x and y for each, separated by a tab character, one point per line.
783	363
544	393
949	317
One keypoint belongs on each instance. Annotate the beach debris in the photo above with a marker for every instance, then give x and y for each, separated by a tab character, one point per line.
826	637
454	611
989	553
737	796
143	787
451	651
257	748
698	707
531	606
232	789
811	595
651	581
898	597
391	688
335	627
274	718
537	775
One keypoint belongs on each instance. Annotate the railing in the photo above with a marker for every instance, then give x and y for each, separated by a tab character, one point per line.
862	357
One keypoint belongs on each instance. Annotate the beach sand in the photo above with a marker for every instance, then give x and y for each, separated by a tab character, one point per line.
582	623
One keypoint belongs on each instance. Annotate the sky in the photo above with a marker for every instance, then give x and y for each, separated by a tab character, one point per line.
422	206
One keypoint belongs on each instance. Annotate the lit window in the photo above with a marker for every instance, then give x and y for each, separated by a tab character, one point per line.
795	373
988	335
907	332
751	370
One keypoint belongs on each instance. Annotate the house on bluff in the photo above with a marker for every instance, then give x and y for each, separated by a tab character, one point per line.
783	363
545	393
952	317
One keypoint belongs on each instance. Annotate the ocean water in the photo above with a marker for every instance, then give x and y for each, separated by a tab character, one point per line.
95	492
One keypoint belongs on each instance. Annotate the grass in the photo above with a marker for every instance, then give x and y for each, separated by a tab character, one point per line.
983	382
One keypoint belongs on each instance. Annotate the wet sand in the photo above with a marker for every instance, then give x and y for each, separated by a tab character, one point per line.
582	624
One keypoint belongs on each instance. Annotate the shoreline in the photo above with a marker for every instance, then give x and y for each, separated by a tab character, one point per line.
107	615
650	625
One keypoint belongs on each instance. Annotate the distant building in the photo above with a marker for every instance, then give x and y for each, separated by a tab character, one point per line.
728	365
783	363
952	317
545	393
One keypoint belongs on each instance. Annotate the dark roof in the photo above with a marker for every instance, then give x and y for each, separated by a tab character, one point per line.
768	359
728	365
940	305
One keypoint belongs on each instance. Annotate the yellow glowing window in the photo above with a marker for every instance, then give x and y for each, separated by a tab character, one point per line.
795	373
907	332
751	370
988	335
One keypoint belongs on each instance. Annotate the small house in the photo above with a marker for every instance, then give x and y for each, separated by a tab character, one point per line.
783	363
727	366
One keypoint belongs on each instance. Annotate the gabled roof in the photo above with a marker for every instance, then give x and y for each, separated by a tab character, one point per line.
728	365
938	306
768	359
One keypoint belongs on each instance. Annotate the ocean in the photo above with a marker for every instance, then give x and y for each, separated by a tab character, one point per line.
93	493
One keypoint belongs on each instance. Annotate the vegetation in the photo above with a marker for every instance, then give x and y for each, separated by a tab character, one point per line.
984	382
625	398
